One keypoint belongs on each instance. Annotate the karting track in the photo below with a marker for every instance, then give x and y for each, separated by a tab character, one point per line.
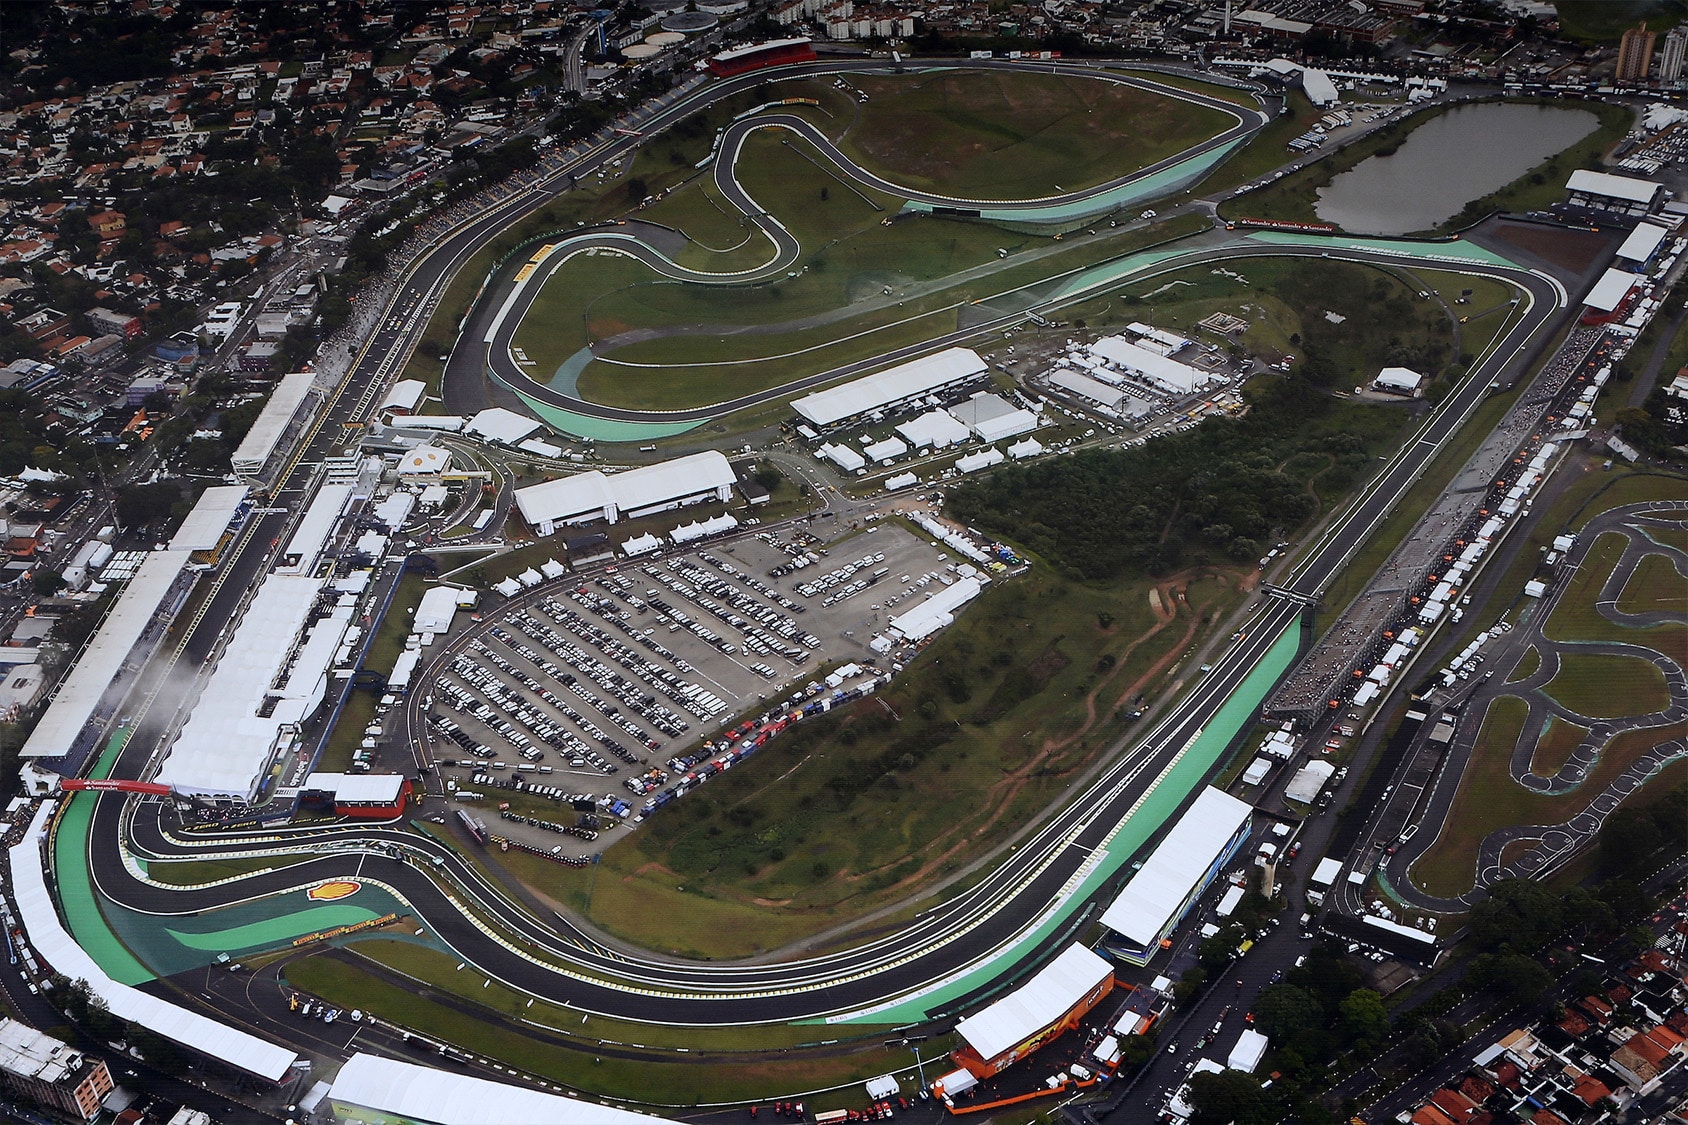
1025	907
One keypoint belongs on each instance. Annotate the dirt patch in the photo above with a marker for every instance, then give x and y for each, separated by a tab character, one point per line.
1048	663
1574	250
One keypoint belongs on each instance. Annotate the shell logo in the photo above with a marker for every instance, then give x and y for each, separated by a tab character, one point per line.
328	892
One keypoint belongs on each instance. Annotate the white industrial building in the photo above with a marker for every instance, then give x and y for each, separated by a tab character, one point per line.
934	429
405	396
895	386
1161	371
1308	782
370	1087
935	612
591	496
973	462
1398	381
1110	399
281	416
1643	242
272	675
311	533
437	609
424	461
499	425
843	456
990	417
1250	1048
884	452
1181	867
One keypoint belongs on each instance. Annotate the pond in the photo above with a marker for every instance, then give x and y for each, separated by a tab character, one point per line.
1450	160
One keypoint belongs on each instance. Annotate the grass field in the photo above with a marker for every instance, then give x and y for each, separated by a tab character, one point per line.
194	872
1447	866
1656	586
1604	686
993	135
1528	665
1294	197
1575	618
587	1066
1553	748
1264	151
991	722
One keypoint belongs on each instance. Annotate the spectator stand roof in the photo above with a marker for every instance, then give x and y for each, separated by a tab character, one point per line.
1041	1001
59	950
893	385
81	691
1158	894
1627	188
497	424
1609	292
204	527
409	1092
1642	242
273	420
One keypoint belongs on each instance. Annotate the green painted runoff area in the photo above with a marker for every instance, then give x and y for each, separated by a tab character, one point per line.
602	429
1459	250
1123	195
76	885
192	941
1158	805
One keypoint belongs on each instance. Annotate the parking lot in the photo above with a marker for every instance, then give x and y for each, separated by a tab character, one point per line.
585	703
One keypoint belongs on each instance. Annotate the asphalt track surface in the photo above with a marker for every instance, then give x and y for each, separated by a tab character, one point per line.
546	957
499	315
1555	842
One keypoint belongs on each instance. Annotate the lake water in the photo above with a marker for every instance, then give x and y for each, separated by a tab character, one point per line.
1461	155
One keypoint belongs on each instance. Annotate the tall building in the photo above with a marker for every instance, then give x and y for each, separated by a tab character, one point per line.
1675	54
1635	54
52	1073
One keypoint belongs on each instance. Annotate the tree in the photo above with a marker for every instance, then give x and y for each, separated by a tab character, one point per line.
1364	1019
1229	1097
1518	978
1288	1013
46	583
143	505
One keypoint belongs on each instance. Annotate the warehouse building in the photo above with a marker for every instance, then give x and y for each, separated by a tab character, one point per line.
1398	381
897	386
696	479
1050	1003
1186	861
990	417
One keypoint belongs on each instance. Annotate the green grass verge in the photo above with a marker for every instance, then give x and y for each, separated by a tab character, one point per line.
1656	586
389	638
645	1077
1528	665
1604	686
197	871
1448	867
1553	748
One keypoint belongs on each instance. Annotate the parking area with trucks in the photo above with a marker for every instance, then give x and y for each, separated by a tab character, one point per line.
588	702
